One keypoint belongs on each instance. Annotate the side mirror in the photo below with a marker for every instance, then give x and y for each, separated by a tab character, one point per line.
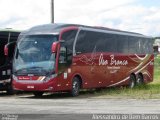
6	50
9	49
55	47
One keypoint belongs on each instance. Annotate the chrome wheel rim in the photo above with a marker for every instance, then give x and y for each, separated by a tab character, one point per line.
75	87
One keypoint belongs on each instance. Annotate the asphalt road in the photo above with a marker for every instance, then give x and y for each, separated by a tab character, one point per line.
63	104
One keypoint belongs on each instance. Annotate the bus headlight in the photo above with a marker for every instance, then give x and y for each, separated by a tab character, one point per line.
14	78
50	77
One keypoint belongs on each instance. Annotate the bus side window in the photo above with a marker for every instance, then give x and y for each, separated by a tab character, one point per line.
69	38
3	42
11	47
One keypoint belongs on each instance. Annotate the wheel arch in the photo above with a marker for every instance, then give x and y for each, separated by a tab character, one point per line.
80	79
133	75
141	74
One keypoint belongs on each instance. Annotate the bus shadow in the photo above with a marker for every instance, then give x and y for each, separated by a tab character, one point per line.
65	95
16	94
5	94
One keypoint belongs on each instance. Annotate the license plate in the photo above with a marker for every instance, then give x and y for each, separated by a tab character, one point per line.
30	87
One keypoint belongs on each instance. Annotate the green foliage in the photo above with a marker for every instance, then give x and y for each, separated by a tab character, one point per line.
157	69
149	91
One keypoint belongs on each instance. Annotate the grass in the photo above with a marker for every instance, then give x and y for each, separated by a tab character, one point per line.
157	70
148	91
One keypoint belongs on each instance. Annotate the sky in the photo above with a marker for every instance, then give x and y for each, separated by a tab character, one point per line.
141	16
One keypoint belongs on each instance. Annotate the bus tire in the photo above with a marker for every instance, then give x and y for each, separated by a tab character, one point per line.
75	87
10	90
132	81
140	80
38	94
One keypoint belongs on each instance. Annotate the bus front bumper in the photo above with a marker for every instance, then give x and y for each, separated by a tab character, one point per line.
29	86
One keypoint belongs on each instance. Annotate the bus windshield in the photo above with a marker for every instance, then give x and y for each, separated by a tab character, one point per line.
33	55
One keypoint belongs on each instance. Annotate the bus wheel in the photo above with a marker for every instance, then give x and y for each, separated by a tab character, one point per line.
38	94
10	90
132	81
75	87
140	80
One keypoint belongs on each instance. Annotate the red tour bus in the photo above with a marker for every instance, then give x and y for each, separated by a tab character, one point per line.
68	57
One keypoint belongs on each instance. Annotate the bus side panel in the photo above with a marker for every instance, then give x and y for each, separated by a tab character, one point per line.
113	69
82	66
148	69
137	64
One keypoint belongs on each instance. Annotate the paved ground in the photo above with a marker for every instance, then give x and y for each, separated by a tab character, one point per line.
63	104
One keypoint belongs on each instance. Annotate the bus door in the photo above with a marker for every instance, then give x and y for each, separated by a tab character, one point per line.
63	68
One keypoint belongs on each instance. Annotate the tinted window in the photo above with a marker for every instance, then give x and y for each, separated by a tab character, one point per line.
122	44
133	45
146	45
3	42
69	37
138	45
34	51
85	42
89	41
150	45
106	43
5	39
13	36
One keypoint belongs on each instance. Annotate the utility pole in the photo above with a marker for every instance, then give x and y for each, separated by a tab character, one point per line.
52	11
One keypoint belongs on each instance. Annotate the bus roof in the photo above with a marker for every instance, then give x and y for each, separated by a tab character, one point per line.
56	28
9	30
5	32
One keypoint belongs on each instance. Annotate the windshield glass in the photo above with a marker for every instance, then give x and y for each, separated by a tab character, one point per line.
33	55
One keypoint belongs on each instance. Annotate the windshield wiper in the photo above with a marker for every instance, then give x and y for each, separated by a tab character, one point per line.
33	70
22	70
41	70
